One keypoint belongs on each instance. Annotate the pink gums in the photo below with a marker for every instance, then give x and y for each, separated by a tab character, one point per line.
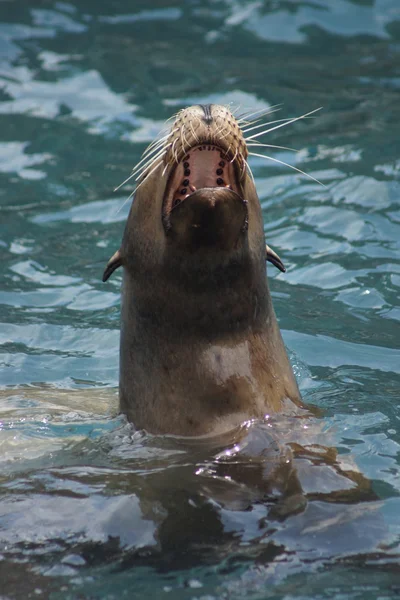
204	166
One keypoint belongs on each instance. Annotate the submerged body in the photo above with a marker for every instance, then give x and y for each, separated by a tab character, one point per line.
201	349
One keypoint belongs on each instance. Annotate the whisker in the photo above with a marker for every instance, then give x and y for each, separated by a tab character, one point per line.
163	134
235	110
172	117
266	124
234	156
215	135
182	139
149	150
184	136
283	124
153	153
147	175
158	143
259	145
149	161
124	202
281	162
193	131
137	187
247	122
219	133
158	139
224	132
143	170
243	124
174	152
262	112
244	164
124	182
249	170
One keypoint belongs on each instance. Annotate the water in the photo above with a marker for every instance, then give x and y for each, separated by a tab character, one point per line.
88	507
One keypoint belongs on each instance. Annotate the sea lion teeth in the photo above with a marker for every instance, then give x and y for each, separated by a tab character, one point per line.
201	350
204	163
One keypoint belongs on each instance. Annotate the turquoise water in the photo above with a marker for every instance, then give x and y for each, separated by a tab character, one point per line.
88	507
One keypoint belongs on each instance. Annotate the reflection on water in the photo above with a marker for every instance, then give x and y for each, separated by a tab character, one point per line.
298	506
116	497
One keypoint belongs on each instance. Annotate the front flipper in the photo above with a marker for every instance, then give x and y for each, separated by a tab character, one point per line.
114	262
273	258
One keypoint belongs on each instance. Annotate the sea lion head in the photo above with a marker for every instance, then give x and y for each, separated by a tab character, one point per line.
195	199
204	203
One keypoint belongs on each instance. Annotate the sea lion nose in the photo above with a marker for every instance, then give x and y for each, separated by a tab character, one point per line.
207	109
211	217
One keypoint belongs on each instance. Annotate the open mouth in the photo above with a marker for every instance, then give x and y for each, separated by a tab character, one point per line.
204	166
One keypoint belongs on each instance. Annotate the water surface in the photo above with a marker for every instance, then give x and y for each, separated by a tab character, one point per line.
88	507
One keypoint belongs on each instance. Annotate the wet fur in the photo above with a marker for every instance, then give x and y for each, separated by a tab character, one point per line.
201	349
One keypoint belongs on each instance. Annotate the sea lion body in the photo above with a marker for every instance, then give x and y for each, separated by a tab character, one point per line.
201	349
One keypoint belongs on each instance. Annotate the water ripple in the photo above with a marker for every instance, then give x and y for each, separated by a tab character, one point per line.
90	508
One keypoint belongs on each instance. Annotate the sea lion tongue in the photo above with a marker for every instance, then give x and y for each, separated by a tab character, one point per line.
210	218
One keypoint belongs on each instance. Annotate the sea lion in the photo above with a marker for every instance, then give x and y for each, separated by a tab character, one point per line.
201	349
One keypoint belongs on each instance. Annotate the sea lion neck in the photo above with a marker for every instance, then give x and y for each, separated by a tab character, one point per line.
206	292
213	219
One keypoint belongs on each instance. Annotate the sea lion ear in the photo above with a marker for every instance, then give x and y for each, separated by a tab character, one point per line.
114	262
274	259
